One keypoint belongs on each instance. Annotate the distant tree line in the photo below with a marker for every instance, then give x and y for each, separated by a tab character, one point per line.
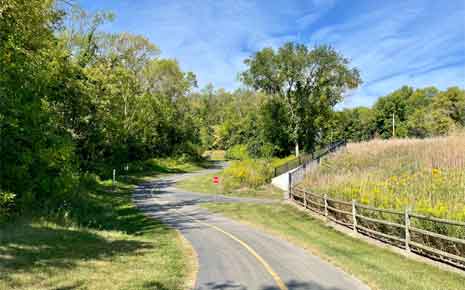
289	104
261	122
406	112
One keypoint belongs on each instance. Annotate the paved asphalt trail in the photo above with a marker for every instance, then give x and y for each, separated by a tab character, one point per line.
233	256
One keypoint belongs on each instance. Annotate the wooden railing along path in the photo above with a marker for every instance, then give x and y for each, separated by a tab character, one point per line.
403	229
428	236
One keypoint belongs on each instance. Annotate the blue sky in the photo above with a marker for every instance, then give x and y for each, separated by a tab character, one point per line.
418	43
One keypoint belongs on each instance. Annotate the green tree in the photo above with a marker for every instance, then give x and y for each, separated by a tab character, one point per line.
275	125
36	152
354	125
309	81
451	104
393	107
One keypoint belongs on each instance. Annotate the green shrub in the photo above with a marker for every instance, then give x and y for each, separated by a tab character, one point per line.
250	173
237	152
6	203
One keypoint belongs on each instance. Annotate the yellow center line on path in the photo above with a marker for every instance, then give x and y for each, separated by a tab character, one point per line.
268	268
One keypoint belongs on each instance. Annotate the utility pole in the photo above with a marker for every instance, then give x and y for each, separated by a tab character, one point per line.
393	125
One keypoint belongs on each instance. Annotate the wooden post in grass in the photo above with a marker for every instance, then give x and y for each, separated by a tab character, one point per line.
305	199
354	215
113	183
326	205
407	230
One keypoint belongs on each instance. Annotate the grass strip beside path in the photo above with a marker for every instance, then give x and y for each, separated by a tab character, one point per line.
204	184
102	242
380	268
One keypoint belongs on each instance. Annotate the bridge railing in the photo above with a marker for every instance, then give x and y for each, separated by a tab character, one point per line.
306	158
298	175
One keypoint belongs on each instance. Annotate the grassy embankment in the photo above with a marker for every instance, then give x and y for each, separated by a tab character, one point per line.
380	268
427	174
101	242
246	178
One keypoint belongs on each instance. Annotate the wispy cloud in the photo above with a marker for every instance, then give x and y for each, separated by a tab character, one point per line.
393	43
408	43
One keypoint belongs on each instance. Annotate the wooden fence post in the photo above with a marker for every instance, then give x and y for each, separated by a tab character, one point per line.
407	230
354	215
326	205
305	199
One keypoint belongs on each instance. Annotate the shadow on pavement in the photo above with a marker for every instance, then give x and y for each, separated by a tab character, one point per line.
291	285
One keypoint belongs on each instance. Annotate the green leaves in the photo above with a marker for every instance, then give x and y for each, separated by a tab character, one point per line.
309	81
75	99
421	113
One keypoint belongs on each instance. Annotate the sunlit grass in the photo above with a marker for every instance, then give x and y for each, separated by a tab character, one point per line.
380	268
99	240
204	184
428	175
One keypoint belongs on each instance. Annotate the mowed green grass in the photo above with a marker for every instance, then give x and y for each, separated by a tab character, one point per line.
380	268
204	184
104	243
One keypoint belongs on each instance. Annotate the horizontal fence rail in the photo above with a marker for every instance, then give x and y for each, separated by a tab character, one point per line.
413	232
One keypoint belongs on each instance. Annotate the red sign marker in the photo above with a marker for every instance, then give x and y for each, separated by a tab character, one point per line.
216	180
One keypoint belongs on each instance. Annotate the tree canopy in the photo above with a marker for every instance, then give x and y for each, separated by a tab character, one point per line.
310	82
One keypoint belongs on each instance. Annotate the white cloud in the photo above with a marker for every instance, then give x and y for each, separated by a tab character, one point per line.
393	43
402	44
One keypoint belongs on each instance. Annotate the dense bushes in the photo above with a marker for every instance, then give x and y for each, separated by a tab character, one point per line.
88	102
237	152
247	173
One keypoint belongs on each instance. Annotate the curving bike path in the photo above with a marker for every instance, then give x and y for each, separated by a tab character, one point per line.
234	256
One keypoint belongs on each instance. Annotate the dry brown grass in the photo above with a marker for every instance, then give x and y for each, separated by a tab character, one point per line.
426	174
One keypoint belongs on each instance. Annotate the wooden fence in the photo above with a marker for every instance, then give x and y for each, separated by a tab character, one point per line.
410	231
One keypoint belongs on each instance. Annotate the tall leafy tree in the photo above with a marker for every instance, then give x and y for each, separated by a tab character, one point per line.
36	151
392	112
309	81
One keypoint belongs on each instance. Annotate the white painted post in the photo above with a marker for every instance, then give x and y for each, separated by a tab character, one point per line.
354	215
326	205
290	185
407	231
114	178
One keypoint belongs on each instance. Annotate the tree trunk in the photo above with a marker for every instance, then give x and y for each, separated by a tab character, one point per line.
296	149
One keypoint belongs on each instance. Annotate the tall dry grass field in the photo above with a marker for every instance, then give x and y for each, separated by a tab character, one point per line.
426	174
